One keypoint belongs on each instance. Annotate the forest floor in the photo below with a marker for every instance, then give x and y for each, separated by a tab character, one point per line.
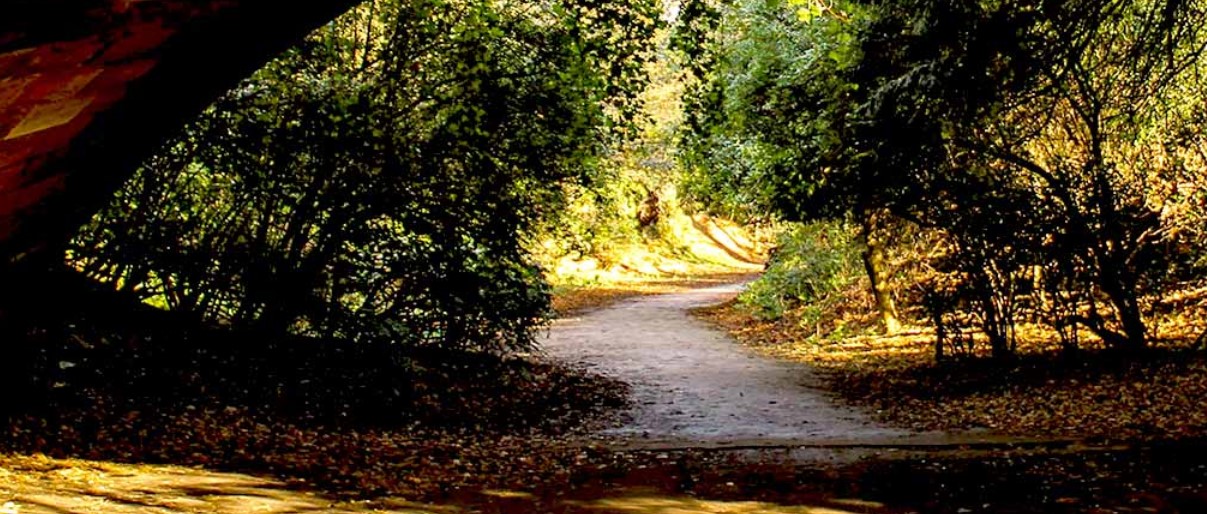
1091	395
699	251
556	438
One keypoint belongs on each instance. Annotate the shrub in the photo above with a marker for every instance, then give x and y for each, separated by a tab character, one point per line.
813	264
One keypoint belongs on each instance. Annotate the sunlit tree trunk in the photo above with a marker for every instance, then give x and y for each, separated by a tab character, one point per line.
875	263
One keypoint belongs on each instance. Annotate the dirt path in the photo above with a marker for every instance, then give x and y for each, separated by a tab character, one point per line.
693	383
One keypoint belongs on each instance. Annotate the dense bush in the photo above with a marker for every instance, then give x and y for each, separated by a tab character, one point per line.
374	182
633	187
1056	147
813	265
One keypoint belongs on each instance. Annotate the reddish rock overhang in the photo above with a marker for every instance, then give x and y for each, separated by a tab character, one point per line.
89	88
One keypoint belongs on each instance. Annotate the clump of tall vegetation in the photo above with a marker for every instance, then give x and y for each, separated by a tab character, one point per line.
814	266
375	182
1050	154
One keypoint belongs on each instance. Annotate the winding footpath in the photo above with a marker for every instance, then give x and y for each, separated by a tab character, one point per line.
691	383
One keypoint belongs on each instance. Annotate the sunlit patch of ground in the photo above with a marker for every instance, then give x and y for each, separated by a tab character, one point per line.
710	251
39	485
571	299
1041	394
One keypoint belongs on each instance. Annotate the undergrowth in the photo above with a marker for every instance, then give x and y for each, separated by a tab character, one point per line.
815	276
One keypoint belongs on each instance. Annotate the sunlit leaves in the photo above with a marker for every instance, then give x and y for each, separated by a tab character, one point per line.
813	266
373	182
1036	135
769	114
809	10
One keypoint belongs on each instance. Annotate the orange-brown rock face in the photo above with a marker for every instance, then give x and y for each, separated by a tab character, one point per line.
89	87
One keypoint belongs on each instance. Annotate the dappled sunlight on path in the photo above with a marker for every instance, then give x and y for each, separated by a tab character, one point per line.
1070	481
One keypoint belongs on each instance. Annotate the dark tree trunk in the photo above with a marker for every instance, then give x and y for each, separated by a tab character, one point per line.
1123	297
1116	276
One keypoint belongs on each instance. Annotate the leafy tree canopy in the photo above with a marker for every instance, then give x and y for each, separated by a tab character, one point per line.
373	183
1035	135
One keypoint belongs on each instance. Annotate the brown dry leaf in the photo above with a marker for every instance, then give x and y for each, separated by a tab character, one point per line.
1038	395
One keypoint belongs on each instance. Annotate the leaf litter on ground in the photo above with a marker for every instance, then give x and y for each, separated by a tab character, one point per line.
1043	393
435	427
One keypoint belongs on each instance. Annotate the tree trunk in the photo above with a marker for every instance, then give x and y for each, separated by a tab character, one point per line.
874	263
1122	294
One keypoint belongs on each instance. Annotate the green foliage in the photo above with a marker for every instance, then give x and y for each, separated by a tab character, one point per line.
374	182
770	110
1060	146
625	202
812	264
595	219
1053	145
